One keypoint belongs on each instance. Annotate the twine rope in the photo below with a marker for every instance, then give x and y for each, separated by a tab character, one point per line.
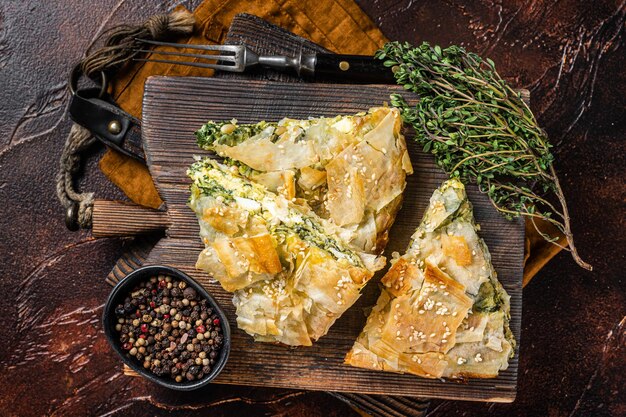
119	48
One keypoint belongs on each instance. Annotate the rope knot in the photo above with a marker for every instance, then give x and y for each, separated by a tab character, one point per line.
158	26
177	23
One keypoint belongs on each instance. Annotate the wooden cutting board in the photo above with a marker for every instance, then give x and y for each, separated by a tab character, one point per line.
174	108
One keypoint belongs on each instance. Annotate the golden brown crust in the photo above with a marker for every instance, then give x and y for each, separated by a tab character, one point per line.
435	275
288	188
398	277
423	322
260	253
311	178
351	169
224	219
349	173
456	247
346	192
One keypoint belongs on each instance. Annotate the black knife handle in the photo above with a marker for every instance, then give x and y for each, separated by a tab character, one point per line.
353	68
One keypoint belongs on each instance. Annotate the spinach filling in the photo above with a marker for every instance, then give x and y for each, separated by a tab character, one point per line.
306	229
210	187
211	133
488	299
310	232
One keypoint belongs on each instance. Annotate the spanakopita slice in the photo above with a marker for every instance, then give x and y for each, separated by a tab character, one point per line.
350	169
291	274
442	311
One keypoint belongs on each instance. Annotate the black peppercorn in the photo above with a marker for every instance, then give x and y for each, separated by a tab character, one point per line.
177	353
189	293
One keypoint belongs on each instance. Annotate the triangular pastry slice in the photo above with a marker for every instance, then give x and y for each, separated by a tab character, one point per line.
290	272
350	170
442	311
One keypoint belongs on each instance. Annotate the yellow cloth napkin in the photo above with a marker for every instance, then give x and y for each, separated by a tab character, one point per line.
338	25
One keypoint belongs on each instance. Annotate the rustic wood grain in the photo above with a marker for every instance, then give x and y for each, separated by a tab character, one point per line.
174	108
133	257
123	219
570	54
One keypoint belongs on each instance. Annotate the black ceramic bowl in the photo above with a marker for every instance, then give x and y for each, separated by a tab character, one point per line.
124	287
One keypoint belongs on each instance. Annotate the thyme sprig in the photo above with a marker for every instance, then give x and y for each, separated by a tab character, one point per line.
480	130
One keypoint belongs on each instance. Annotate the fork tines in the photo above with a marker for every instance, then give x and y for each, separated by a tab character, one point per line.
229	57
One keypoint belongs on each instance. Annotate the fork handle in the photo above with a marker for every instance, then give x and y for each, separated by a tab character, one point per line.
353	68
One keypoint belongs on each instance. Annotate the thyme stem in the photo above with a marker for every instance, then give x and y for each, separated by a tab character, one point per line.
480	130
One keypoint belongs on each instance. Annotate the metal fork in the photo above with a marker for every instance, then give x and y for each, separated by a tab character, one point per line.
233	58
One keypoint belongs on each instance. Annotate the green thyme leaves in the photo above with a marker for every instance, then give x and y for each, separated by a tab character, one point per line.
480	130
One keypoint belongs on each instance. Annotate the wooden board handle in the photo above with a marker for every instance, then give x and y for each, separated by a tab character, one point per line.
119	218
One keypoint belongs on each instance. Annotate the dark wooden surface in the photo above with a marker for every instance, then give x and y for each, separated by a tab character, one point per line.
55	361
174	107
113	218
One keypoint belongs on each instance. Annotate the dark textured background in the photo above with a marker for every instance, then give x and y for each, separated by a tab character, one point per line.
54	358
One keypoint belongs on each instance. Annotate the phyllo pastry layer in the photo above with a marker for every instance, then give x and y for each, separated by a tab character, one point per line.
350	169
291	273
442	311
